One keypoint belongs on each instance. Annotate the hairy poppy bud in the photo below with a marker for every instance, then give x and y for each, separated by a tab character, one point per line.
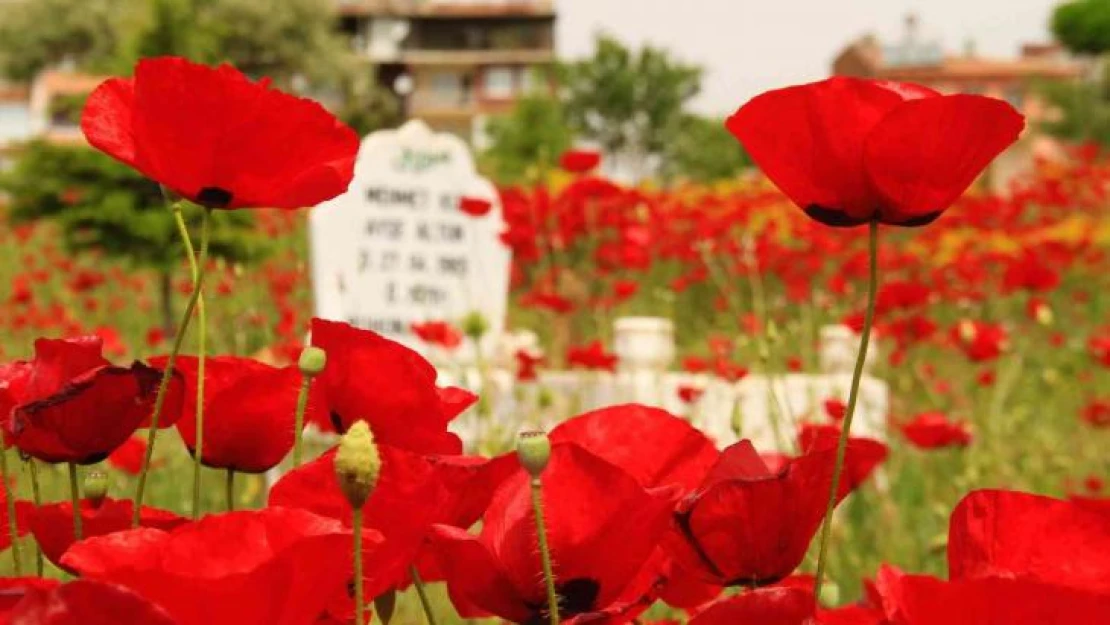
96	487
830	594
312	361
534	450
357	464
475	325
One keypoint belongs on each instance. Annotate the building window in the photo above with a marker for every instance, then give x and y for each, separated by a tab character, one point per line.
449	89
499	82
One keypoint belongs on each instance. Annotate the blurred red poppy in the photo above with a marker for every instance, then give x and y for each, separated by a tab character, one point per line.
52	524
997	533
779	512
219	139
933	430
979	340
849	150
277	566
1096	413
602	527
592	356
765	606
475	207
389	385
248	411
23	511
438	333
69	404
85	602
580	161
128	457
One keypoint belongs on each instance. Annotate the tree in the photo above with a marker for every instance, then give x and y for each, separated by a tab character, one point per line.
527	140
35	34
1083	26
104	205
701	149
628	101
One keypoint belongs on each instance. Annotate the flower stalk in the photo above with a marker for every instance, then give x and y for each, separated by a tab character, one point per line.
13	526
422	592
534	451
850	410
75	497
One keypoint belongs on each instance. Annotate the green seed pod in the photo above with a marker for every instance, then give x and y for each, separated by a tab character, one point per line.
312	361
95	487
357	464
534	451
474	325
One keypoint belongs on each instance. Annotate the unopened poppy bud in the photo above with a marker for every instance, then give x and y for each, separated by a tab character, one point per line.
830	594
534	451
357	464
475	325
96	487
312	361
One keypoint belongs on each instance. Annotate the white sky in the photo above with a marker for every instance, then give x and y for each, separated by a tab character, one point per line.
748	46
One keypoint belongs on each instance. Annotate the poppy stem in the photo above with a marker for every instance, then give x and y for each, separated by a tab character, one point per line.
423	594
850	410
298	420
545	552
179	337
230	484
13	526
75	497
36	497
202	345
360	619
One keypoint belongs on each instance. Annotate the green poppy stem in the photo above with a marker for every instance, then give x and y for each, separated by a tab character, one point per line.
198	451
230	490
360	607
36	497
298	420
75	497
423	594
196	264
13	527
545	552
850	411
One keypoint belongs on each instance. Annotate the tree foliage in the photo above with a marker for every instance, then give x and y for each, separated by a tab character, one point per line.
1083	26
528	140
700	149
35	34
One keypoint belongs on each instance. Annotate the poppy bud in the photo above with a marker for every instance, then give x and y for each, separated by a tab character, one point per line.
357	464
96	487
475	325
830	594
534	450
312	361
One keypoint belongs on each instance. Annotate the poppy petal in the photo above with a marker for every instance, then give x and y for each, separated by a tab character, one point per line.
925	153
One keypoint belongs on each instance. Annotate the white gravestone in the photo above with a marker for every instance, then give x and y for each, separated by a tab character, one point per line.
395	249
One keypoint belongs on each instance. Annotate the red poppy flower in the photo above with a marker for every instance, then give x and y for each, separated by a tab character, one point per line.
996	533
1029	271
14	589
835	409
86	602
218	139
69	405
689	393
580	161
765	606
128	457
23	511
933	430
849	151
526	364
778	512
1100	349
1096	414
412	493
592	356
602	527
924	600
248	411
475	207
52	524
390	386
980	341
438	333
277	566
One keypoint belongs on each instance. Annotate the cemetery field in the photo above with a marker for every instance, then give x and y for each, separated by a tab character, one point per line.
996	317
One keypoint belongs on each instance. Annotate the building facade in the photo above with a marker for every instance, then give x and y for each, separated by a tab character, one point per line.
454	63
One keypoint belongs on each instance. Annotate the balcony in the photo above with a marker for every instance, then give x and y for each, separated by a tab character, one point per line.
477	57
447	8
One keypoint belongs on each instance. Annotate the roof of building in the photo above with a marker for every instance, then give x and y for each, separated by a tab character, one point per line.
448	8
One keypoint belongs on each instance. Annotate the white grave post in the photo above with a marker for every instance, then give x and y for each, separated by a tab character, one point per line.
395	248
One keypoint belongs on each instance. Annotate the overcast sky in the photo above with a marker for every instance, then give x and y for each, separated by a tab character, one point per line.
748	46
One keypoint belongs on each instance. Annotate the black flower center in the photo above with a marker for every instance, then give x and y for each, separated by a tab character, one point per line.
214	197
576	596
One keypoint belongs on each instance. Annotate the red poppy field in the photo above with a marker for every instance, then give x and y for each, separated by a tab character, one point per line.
983	504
